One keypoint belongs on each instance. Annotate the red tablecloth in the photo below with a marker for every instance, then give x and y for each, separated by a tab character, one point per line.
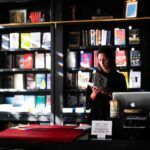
43	133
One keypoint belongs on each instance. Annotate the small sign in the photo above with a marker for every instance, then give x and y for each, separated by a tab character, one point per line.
101	128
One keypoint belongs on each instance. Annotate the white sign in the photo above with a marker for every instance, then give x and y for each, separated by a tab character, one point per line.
101	128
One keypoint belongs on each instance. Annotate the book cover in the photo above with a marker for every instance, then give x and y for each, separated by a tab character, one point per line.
72	100
121	58
135	58
98	37
20	61
83	78
71	59
9	100
30	81
119	36
108	37
39	60
125	73
48	81
18	100
92	37
82	100
28	61
95	58
40	102
100	80
40	81
9	61
85	60
103	37
48	60
5	44
18	81
48	103
35	40
29	102
135	79
24	61
46	40
9	81
14	41
71	79
26	41
134	36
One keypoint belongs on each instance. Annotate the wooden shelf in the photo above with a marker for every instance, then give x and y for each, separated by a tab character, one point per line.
15	25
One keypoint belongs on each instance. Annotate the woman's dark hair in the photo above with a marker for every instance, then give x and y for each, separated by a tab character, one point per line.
109	52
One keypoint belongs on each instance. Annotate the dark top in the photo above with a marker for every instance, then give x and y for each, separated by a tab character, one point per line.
100	106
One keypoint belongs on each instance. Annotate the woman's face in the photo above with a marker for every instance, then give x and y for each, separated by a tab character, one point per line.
103	61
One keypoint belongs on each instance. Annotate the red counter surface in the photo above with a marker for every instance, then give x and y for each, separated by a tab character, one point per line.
45	133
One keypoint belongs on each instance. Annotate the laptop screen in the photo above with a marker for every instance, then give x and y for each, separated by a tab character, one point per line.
133	100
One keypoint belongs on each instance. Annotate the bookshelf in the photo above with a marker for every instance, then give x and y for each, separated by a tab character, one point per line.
26	66
134	52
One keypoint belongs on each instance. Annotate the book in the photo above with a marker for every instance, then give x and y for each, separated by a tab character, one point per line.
72	100
134	79
18	15
18	81
71	59
119	36
82	100
108	37
40	102
98	37
71	79
14	41
134	36
40	79
83	78
39	60
46	40
35	40
24	61
48	103
5	41
125	73
18	100
28	61
135	58
100	80
48	60
85	60
9	61
26	41
9	100
48	81
103	37
30	81
95	58
19	61
121	58
29	102
9	81
92	37
74	39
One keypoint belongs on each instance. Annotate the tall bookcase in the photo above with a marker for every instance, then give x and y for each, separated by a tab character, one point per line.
84	36
26	68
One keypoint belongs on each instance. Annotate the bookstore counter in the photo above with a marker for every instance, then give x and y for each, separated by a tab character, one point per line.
60	136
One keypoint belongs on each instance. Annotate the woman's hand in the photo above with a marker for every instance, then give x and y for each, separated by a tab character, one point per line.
95	92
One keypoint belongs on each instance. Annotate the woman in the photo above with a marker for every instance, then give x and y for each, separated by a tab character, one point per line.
106	80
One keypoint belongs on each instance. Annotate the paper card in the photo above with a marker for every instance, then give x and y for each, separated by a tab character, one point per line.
101	128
